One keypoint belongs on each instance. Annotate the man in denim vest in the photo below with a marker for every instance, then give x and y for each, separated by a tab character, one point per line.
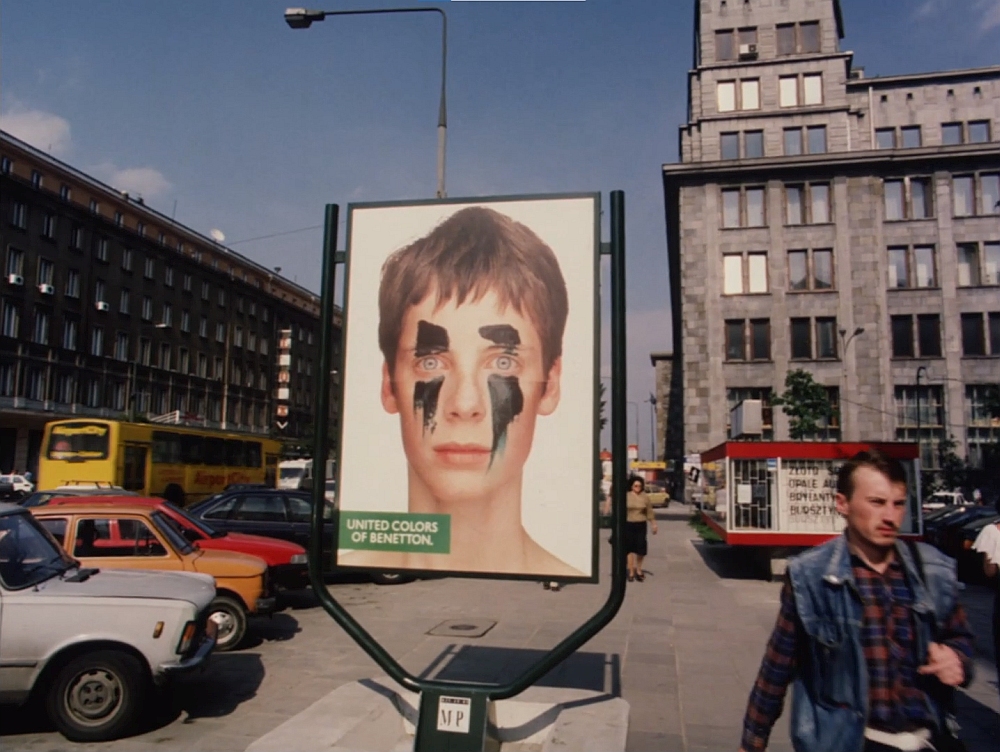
871	638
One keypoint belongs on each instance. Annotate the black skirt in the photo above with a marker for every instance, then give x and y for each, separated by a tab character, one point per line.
635	538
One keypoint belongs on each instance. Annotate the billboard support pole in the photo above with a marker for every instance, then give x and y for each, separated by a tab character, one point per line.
437	697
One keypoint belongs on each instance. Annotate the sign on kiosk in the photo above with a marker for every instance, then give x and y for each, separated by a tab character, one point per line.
468	431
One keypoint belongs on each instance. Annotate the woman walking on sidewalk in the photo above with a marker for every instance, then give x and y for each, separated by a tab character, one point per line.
639	509
988	543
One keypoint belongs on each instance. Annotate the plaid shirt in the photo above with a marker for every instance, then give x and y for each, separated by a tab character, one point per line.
895	702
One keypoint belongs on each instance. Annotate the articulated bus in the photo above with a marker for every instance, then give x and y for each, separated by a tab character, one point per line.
183	465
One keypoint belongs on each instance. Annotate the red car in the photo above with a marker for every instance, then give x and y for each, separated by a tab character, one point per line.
287	563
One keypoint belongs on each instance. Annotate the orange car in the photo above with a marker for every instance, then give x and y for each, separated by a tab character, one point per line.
123	536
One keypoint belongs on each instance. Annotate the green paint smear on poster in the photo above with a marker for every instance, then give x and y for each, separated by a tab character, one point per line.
396	531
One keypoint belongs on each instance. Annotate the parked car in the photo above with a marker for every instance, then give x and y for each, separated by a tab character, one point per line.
946	535
658	495
41	498
132	536
288	565
274	513
87	642
19	483
943	499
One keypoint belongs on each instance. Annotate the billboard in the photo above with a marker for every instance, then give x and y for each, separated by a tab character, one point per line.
468	431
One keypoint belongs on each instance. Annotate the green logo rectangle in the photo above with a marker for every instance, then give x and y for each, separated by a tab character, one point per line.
395	531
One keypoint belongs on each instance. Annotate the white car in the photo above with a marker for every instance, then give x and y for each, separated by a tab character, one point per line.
90	643
19	483
943	499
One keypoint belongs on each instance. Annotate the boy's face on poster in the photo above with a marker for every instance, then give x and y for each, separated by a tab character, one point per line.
468	384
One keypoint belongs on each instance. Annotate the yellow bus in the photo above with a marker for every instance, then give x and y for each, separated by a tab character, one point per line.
183	465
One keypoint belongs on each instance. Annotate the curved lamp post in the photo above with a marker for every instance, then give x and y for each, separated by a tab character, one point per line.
301	18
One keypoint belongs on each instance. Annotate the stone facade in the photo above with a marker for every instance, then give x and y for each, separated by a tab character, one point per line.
887	180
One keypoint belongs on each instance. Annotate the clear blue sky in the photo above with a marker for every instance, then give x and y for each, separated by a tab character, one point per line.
250	127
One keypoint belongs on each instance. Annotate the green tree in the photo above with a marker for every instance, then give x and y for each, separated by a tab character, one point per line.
805	402
954	472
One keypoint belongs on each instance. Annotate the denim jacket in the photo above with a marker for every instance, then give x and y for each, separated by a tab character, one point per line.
830	691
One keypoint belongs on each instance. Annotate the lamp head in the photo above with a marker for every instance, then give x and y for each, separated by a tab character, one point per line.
300	18
859	330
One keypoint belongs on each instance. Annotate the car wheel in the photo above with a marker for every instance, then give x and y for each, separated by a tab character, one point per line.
98	696
231	620
389	578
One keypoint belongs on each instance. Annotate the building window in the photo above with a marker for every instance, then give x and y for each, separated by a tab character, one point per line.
793	142
15	262
265	313
253	309
801	332
760	339
970	274
11	319
737	339
5	165
750	94
754	144
184	361
168	314
36	179
19	215
911	137
251	341
145	351
730	145
908	199
165	356
983	429
147	308
140	229
149	268
929	335
788	91
95	207
204	290
124	302
220	332
963	191
931	420
72	289
163	238
49	227
726	94
46	271
217	373
989	192
812	88
76	238
973	334
168	276
41	333
263	346
222	297
809	39
912	267
807	204
745	273
101	249
185	321
97	341
121	347
902	336
816	139
70	331
203	327
66	389
64	192
885	138
99	291
202	365
951	134
725	45
119	219
238	337
786	39
810	269
736	346
742	207
187	283
127	259
979	131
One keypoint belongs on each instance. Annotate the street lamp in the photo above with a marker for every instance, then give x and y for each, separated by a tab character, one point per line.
921	370
301	18
636	406
845	342
652	422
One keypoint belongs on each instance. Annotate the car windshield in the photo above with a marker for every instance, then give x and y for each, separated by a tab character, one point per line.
292	472
194	522
172	531
39	499
28	553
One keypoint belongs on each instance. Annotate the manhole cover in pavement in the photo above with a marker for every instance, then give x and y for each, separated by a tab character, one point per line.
463	628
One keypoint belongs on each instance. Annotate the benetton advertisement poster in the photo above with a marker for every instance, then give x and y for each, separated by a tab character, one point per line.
468	419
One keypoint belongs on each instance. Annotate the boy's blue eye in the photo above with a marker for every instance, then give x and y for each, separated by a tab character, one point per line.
504	363
430	363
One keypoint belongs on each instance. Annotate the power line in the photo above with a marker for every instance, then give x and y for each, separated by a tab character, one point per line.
280	234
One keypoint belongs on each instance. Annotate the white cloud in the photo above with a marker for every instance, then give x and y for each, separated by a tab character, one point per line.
989	17
43	130
927	8
147	182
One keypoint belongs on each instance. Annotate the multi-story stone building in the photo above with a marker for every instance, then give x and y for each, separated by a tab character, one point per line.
109	308
844	225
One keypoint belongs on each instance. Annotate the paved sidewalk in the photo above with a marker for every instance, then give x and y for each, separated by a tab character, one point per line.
683	651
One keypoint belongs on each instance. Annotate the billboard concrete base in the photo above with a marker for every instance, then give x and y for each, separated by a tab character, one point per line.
376	715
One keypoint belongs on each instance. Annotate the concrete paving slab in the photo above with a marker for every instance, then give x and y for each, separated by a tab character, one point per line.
376	715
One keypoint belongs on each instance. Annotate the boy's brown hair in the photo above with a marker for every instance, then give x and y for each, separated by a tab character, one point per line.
890	467
473	252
